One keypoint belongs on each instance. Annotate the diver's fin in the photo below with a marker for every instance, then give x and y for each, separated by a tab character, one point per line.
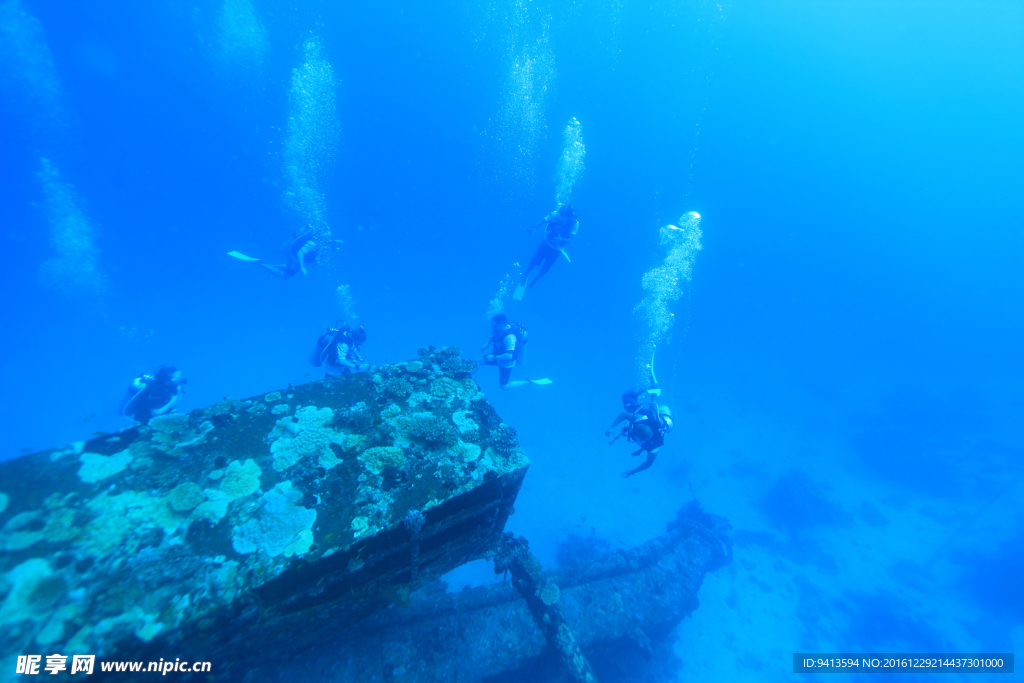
518	294
565	255
239	255
540	382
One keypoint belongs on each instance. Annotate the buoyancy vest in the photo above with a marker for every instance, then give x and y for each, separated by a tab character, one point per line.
518	331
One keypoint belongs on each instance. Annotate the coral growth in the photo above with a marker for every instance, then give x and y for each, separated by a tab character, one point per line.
433	431
378	458
397	387
444	388
169	503
356	419
414	522
279	528
185	496
20	532
549	594
241	479
467	452
98	467
309	434
450	360
505	439
33	590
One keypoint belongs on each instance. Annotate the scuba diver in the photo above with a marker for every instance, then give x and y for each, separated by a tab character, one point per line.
506	347
152	395
337	350
646	427
559	228
646	421
300	252
634	399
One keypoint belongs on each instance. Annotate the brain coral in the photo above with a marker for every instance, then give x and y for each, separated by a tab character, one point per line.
279	528
311	435
241	479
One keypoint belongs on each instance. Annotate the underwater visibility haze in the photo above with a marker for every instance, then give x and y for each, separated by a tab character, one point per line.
798	225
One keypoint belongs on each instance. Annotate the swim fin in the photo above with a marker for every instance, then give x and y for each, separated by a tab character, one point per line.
241	256
518	294
540	382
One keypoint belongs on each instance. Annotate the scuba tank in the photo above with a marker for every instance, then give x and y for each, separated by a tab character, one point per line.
135	390
519	331
665	418
327	342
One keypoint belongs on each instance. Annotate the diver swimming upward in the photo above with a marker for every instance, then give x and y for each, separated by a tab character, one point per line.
560	227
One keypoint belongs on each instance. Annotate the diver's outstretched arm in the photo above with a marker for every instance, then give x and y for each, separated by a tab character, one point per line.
651	456
622	417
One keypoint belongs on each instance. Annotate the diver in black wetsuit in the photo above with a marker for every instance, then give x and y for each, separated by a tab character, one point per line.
647	423
559	228
646	427
152	395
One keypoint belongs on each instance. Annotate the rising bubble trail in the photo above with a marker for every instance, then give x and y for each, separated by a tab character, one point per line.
663	285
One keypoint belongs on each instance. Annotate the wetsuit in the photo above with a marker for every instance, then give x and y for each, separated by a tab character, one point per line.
558	232
301	252
510	340
149	397
338	353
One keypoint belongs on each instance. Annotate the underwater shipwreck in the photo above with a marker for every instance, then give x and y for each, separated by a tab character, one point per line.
301	535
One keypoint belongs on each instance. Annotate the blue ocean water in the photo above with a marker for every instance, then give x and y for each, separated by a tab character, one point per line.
844	360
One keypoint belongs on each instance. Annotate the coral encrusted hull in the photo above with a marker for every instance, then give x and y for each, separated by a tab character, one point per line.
228	533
